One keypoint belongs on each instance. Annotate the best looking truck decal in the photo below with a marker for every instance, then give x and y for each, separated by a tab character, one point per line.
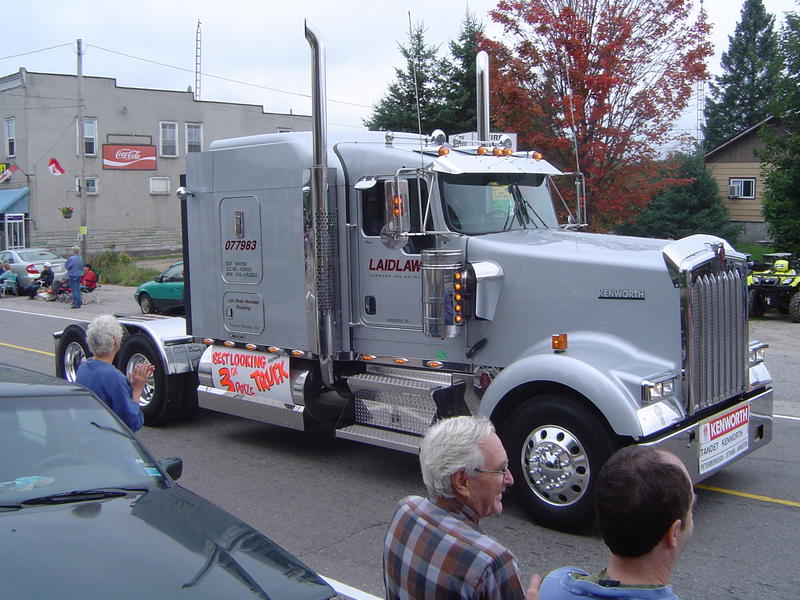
251	373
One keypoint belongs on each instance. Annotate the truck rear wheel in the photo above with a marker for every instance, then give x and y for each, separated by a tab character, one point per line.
556	447
72	351
162	395
794	308
755	304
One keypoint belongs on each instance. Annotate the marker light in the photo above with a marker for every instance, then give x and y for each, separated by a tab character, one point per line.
559	342
507	152
229	344
298	353
398	206
273	349
444	151
400	361
369	357
458	318
434	364
482	151
497	151
208	341
250	346
537	156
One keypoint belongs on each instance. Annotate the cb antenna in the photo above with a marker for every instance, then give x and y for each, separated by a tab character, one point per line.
579	183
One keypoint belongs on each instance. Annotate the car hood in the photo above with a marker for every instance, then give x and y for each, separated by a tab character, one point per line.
164	544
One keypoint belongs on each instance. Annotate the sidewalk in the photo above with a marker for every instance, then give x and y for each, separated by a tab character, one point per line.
112	299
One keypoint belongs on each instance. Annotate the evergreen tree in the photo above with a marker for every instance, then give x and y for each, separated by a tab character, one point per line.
457	113
781	156
751	67
693	206
397	110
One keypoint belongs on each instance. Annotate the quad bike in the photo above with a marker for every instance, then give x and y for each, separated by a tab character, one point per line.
774	283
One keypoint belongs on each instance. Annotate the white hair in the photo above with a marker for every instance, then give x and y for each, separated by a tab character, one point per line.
448	446
102	333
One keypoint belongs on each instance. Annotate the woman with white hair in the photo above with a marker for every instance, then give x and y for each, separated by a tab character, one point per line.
104	336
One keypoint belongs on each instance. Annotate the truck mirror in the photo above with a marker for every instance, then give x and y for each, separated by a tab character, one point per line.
366	183
398	221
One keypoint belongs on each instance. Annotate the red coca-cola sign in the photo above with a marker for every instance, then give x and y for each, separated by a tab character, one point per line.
134	158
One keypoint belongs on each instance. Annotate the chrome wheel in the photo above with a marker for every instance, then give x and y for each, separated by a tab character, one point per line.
74	355
556	465
149	388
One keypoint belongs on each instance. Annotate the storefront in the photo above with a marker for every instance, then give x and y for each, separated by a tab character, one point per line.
13	211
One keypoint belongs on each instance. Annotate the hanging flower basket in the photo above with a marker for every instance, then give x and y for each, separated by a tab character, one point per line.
66	211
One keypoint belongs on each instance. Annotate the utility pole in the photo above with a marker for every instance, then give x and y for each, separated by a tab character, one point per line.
81	152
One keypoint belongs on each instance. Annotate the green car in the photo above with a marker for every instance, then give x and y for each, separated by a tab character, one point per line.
164	293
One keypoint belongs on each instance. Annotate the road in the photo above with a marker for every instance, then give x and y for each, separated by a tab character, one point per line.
329	501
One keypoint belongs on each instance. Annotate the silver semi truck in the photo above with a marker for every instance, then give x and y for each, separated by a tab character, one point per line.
371	283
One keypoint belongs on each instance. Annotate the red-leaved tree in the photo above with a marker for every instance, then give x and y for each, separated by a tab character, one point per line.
617	73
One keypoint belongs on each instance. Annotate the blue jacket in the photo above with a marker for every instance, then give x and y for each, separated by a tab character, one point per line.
74	266
113	388
567	583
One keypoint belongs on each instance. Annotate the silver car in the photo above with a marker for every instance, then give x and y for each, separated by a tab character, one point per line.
28	263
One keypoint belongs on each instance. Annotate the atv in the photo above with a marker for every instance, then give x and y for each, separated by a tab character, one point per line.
773	283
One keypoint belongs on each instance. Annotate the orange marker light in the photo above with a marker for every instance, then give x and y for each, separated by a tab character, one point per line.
369	357
273	349
401	361
444	151
230	344
208	341
297	353
507	152
457	286
497	152
434	364
457	275
559	342
458	318
458	297
537	156
251	346
482	151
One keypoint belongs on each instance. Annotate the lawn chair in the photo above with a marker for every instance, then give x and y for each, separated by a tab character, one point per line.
9	285
88	295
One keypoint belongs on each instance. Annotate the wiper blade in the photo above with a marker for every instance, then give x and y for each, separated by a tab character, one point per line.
113	430
81	496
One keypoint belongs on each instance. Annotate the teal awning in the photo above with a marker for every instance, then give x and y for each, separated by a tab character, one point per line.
14	201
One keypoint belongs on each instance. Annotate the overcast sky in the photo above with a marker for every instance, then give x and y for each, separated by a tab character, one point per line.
260	43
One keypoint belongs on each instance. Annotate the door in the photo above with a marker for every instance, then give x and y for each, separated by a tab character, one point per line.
14	234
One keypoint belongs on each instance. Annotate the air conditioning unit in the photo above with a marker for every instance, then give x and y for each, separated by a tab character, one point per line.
733	191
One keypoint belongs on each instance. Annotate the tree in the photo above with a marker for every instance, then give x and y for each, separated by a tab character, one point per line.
781	156
693	206
421	78
613	74
741	96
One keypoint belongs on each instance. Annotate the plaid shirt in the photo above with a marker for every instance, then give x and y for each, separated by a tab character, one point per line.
437	551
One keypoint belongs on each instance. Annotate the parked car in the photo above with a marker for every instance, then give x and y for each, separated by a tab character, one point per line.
27	263
86	512
164	293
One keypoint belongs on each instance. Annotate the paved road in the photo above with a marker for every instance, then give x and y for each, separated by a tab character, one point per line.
329	501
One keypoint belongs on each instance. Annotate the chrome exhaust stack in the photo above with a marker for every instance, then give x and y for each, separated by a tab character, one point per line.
482	94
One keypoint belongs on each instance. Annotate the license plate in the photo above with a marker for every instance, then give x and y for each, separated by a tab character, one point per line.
723	438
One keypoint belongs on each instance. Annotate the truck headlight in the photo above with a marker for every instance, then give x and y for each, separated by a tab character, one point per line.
757	352
658	388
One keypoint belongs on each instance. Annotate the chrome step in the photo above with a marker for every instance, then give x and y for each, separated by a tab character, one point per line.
380	437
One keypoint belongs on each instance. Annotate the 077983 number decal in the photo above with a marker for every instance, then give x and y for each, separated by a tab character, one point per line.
241	244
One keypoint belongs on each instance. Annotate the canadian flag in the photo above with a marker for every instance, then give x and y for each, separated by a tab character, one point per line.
10	170
55	167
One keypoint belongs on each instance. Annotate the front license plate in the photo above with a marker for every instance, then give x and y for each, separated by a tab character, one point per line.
723	438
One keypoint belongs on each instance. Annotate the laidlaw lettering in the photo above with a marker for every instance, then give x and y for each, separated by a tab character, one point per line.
394	264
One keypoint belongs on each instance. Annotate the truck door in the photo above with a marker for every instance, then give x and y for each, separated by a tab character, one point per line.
388	288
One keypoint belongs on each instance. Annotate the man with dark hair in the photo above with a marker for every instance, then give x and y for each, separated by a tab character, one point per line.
644	510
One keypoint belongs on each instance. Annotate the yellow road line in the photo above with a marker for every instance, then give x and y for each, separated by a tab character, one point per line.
711	488
27	349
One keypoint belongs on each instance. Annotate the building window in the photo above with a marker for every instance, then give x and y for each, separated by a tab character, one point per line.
168	138
742	188
11	136
91	186
194	137
89	137
159	185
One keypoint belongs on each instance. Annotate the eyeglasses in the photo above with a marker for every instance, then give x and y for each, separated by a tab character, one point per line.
501	471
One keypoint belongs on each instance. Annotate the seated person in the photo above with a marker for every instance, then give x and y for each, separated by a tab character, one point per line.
7	276
45	280
89	279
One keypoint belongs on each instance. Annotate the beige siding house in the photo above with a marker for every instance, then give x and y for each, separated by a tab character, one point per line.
737	171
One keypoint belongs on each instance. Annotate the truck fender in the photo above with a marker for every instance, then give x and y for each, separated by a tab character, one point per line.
613	402
168	334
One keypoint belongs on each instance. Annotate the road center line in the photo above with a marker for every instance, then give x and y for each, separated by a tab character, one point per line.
711	488
27	349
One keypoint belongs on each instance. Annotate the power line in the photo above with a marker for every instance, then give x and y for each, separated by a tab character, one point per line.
228	79
33	51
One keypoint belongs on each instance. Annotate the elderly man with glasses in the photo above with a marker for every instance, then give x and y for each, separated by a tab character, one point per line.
434	547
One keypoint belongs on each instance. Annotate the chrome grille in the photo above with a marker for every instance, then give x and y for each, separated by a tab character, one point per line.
716	336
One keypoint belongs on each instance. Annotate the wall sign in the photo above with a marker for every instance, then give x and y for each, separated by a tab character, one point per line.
130	158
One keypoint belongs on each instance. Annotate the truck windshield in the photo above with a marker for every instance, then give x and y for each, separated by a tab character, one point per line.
477	203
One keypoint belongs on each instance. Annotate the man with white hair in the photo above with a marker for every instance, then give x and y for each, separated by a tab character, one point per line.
104	336
434	547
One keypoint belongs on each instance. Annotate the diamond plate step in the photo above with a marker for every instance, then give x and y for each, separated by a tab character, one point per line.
380	437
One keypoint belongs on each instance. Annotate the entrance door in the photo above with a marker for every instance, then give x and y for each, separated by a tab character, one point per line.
14	234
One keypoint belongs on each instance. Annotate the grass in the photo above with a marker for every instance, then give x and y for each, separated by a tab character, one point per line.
755	251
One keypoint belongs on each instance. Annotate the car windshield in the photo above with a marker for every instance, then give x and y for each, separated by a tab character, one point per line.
477	203
37	255
64	444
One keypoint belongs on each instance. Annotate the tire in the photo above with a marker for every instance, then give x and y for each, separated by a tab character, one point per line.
794	308
146	304
72	351
161	397
553	427
755	304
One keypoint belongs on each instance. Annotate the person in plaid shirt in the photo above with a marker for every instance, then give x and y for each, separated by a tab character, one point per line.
434	548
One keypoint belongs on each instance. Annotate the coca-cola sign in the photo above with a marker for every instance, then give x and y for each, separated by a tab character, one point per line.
141	158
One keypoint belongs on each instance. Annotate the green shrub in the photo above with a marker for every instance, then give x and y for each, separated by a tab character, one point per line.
120	269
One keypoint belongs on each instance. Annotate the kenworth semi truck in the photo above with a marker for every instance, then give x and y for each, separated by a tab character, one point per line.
371	283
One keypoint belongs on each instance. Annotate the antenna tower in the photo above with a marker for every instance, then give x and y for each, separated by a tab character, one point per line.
700	100
197	47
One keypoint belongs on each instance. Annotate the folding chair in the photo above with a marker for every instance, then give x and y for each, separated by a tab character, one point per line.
9	285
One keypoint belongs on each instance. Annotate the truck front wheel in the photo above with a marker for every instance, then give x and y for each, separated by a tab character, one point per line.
794	308
556	447
161	398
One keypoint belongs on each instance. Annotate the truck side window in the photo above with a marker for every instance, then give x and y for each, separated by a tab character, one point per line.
373	213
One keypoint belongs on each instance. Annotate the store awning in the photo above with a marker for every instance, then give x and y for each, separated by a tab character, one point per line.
14	201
